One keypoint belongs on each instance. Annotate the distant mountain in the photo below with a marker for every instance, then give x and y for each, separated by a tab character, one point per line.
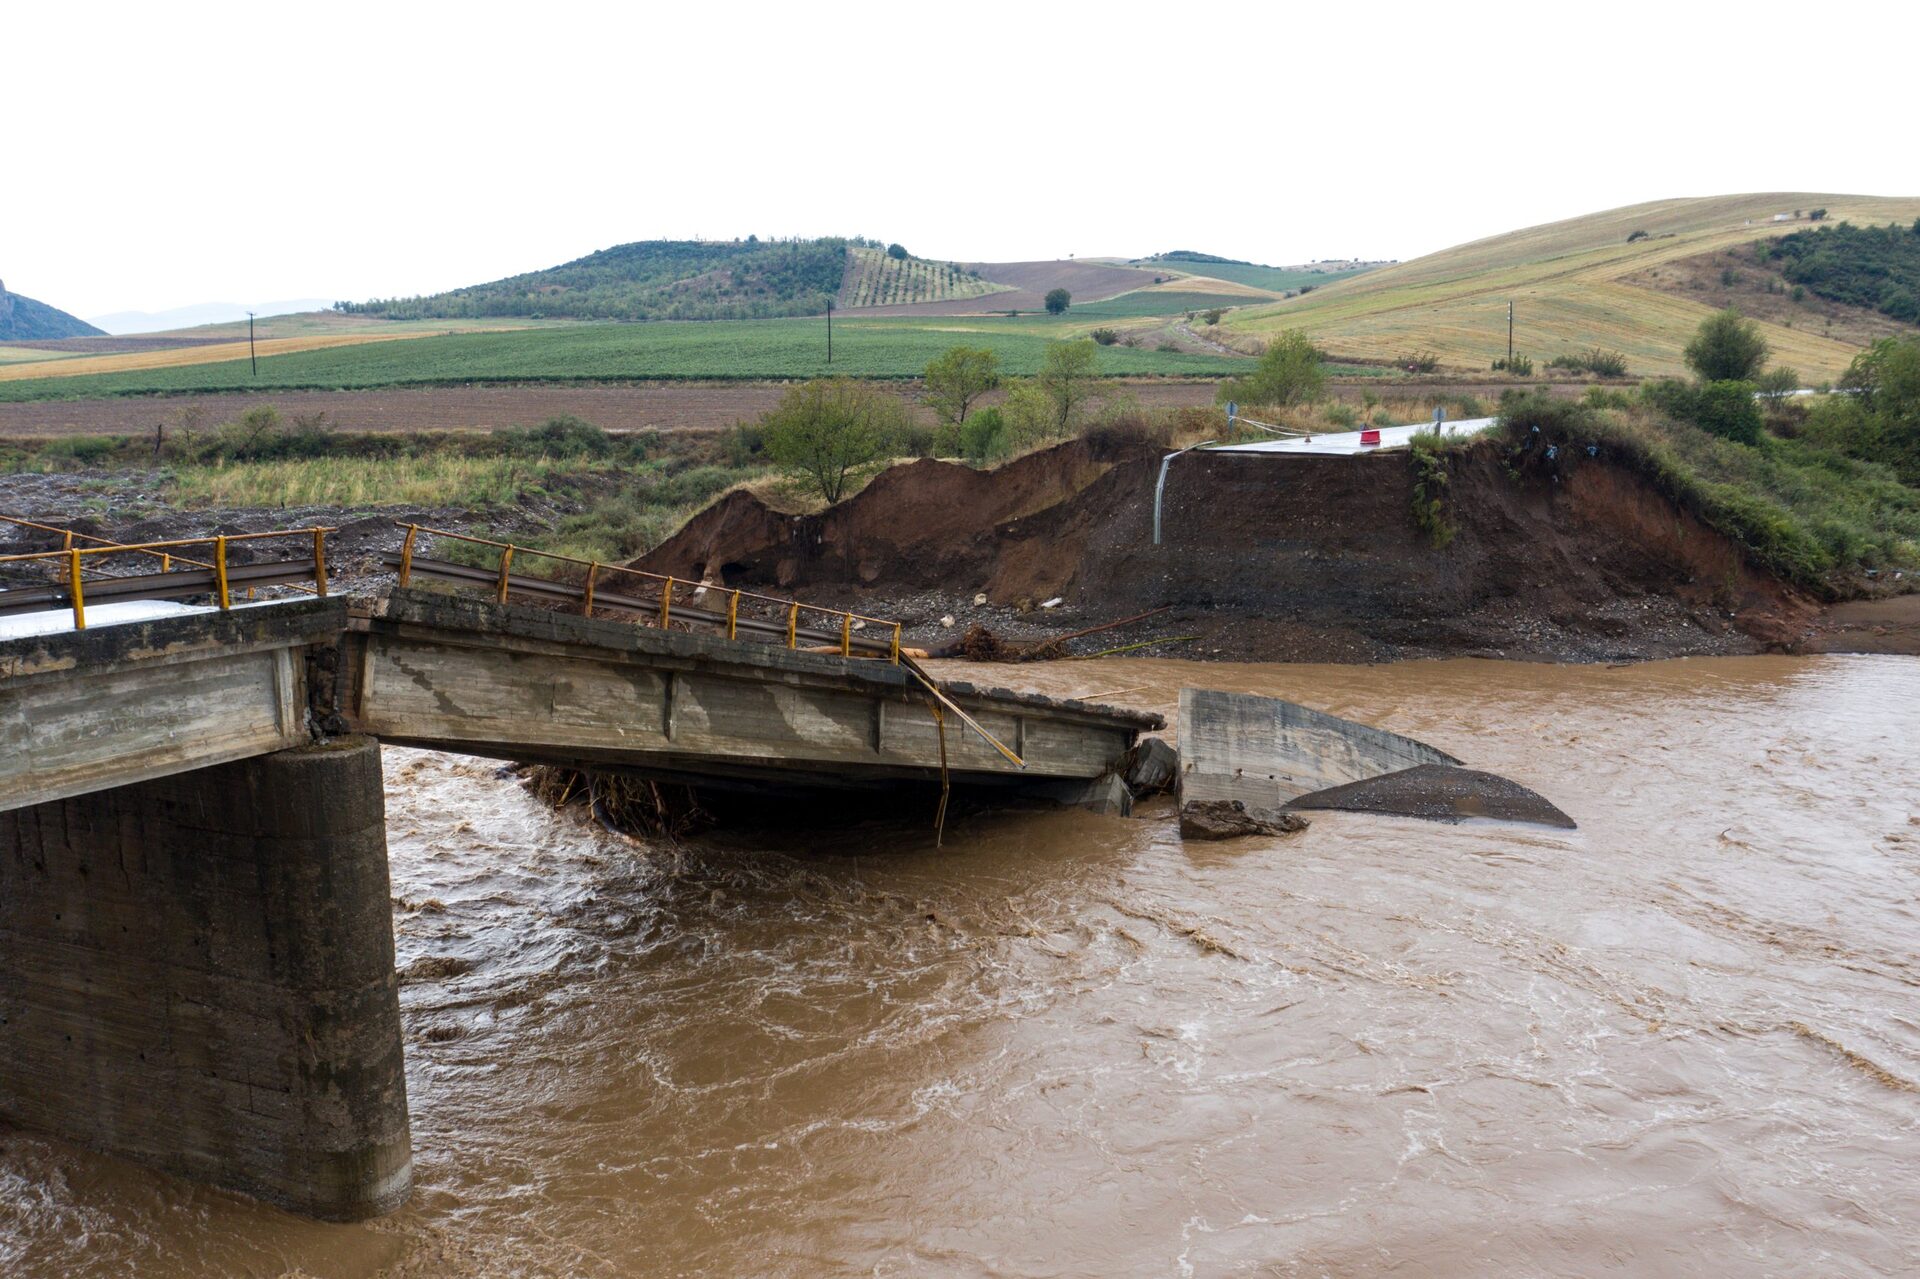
186	317
23	319
652	280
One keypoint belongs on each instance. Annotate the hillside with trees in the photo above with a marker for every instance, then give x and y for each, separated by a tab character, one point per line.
748	279
24	320
1877	267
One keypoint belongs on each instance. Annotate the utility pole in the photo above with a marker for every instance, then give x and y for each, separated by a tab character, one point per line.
1509	334
829	330
251	358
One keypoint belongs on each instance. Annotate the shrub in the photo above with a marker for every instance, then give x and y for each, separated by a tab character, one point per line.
1727	409
1606	363
1594	360
983	436
1778	381
81	450
745	444
1105	337
1519	365
561	436
1168	348
1425	456
1289	372
1057	301
1635	235
1420	362
1212	317
898	252
1724	408
1727	348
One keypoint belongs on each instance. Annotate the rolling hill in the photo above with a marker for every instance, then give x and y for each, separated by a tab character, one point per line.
747	279
1270	279
1575	284
24	320
651	280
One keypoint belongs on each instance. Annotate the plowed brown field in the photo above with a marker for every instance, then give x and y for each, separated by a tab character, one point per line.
676	406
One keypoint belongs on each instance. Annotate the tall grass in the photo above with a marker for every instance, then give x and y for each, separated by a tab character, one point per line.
359	482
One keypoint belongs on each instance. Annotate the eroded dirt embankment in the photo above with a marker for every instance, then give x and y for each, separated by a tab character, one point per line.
1301	558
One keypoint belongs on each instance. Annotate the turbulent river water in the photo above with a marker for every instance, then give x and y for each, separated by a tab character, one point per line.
1681	1040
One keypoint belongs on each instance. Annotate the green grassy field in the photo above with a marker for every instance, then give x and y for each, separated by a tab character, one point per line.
715	350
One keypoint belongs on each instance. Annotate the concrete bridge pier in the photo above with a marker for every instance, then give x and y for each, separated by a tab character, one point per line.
196	972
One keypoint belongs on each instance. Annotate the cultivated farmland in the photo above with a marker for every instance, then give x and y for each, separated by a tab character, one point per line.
876	279
59	365
713	350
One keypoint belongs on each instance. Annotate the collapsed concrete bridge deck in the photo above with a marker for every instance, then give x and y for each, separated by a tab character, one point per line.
196	946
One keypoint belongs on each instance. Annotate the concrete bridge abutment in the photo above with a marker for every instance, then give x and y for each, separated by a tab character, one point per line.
196	972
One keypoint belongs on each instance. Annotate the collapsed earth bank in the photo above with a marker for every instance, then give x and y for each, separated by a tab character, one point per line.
1271	557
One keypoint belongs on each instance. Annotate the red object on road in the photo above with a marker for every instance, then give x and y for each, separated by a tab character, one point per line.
1369	437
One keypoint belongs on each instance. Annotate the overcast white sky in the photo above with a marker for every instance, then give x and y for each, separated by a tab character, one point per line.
159	155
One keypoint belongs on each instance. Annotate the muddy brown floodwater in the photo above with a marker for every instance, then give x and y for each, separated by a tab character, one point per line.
1681	1040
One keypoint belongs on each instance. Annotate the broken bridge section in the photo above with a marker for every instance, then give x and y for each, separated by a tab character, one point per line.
196	939
454	673
1260	755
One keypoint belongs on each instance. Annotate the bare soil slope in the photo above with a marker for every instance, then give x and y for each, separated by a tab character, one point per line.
1295	559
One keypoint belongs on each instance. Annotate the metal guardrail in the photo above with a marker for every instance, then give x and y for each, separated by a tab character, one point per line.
504	582
218	578
662	604
203	577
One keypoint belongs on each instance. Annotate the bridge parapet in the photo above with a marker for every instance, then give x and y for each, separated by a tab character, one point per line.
456	673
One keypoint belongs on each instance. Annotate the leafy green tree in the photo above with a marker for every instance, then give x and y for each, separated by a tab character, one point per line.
1030	416
898	252
1287	373
1067	371
1887	378
830	432
1727	348
958	378
1058	300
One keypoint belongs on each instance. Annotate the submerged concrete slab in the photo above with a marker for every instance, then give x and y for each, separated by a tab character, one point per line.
1264	751
1440	792
196	972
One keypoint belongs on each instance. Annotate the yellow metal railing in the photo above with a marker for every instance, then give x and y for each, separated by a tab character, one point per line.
667	586
71	558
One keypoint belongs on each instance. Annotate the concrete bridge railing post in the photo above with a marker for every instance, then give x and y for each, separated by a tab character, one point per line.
196	972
